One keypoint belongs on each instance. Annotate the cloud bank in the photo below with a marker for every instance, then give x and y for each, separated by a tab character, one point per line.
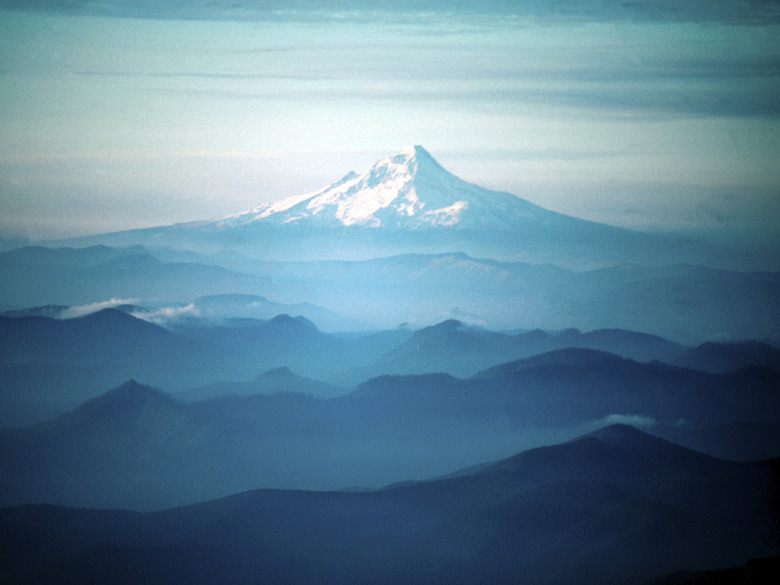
83	310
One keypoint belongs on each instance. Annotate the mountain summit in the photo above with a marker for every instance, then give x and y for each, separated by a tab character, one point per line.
409	204
409	190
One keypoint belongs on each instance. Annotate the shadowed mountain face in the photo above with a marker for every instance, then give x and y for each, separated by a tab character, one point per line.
613	507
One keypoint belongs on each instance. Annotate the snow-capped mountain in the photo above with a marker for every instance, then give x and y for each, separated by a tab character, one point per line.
409	204
409	190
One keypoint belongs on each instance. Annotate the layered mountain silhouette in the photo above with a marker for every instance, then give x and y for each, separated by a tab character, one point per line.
273	381
683	303
473	337
462	350
408	242
280	431
616	506
32	275
49	365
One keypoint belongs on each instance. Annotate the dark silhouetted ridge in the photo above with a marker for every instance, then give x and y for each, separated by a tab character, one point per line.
628	459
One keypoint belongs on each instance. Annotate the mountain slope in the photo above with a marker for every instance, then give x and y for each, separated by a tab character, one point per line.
271	382
49	366
409	190
455	348
230	306
689	304
544	516
136	447
408	203
75	276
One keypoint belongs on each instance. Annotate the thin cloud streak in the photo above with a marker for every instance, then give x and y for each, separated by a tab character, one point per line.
84	310
699	11
613	102
200	75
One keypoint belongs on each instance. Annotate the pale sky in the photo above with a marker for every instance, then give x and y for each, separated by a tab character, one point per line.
110	123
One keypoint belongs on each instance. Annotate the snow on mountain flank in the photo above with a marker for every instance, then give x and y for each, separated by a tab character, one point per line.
407	190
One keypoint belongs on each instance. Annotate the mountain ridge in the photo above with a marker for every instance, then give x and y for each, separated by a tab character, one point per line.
388	429
557	521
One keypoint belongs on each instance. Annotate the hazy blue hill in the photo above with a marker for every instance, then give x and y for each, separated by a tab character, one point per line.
576	357
103	335
119	407
634	345
49	366
273	381
576	385
688	304
144	276
449	346
585	382
73	257
726	357
136	447
72	276
246	351
544	515
390	428
227	306
633	460
460	350
103	452
692	297
437	393
68	361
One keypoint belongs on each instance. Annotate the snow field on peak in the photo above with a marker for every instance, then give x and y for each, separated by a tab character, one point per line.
407	190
